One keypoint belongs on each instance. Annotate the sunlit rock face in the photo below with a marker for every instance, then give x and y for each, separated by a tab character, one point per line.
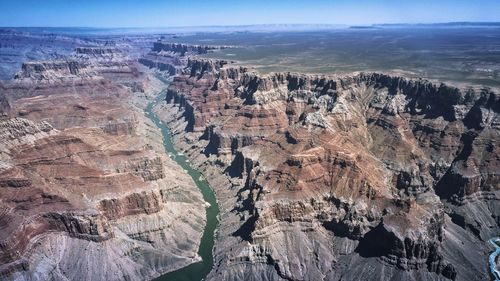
53	70
360	177
87	191
173	57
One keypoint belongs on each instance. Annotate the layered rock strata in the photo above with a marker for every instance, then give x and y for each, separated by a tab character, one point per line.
87	191
362	177
173	57
53	70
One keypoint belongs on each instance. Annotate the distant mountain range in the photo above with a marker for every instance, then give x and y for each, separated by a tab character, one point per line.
240	28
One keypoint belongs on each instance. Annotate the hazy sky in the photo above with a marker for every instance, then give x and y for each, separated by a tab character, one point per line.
163	13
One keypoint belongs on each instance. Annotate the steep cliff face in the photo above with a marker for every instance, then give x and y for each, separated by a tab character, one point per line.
322	176
87	191
99	52
86	63
53	70
182	49
173	57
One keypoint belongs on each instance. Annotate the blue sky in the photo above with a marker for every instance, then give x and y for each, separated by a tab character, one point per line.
156	13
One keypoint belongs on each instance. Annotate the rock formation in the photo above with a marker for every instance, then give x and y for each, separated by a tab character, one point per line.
182	49
99	53
54	70
172	57
87	191
360	177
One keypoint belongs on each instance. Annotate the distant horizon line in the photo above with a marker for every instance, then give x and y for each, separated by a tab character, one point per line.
269	24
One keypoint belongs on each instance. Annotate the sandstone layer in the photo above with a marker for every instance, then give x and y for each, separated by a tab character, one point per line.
360	177
87	191
173	57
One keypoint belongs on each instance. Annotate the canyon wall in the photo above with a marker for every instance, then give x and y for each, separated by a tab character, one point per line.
360	177
172	57
87	191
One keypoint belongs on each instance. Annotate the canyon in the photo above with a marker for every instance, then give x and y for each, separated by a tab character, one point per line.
87	190
365	175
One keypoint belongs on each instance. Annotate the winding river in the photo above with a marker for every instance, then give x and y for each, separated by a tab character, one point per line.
196	271
493	257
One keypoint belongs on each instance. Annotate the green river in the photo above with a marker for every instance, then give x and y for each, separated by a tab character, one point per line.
196	271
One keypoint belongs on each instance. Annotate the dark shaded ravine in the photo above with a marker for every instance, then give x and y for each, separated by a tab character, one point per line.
196	271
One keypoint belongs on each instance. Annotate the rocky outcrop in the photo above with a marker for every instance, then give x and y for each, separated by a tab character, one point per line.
173	57
319	177
97	52
86	63
19	131
88	227
168	65
53	70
